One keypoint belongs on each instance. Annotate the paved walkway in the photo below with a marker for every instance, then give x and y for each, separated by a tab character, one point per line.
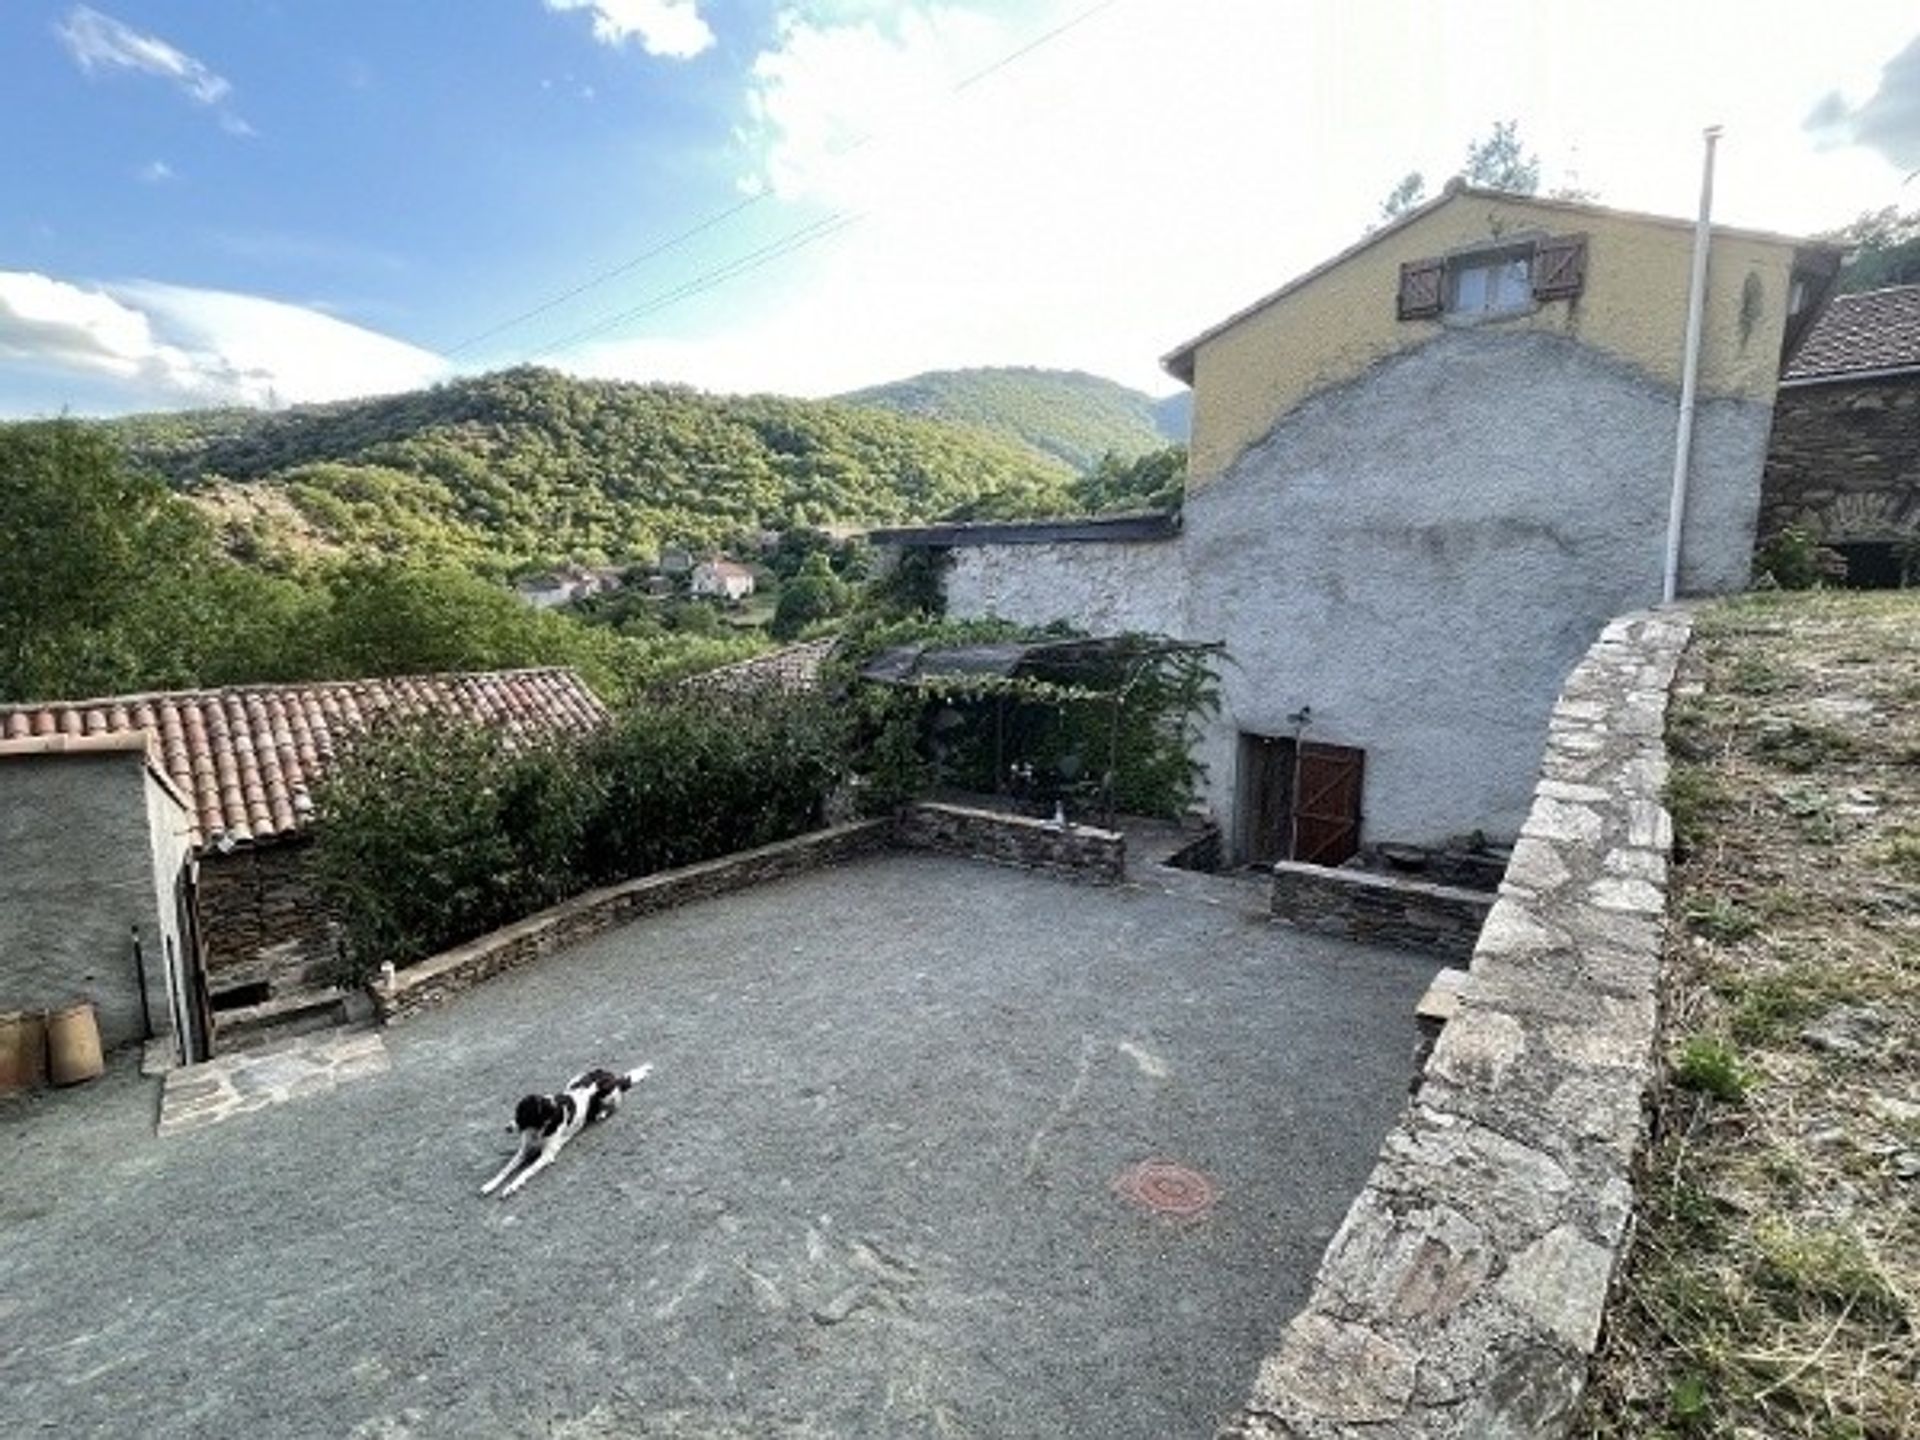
885	1181
199	1095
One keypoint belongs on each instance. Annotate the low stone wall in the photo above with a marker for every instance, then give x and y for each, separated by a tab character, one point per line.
260	915
568	923
1462	1295
1380	909
1077	850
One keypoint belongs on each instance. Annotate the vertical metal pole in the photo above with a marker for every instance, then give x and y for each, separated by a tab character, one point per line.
1689	373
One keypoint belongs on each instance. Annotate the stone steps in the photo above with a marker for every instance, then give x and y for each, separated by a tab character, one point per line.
297	1012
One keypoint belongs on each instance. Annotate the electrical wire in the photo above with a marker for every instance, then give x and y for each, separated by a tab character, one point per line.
710	279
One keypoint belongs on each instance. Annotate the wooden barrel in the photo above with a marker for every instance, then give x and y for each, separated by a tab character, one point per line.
23	1051
73	1044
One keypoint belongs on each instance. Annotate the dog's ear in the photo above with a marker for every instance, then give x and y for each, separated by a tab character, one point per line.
530	1113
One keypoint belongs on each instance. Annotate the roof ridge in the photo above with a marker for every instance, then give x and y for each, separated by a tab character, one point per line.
283	686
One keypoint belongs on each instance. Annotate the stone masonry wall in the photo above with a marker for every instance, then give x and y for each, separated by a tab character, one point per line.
1462	1295
260	914
1380	909
1844	461
452	971
1080	850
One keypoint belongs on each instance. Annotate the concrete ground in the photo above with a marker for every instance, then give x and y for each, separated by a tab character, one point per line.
867	1192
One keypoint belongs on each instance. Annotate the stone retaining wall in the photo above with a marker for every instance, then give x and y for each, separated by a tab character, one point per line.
260	913
568	923
1080	851
1462	1295
1380	909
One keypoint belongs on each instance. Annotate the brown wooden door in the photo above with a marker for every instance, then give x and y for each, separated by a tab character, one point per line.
1326	811
1266	799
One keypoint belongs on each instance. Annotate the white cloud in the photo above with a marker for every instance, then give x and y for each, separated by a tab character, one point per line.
1146	172
171	345
1888	121
670	28
100	42
155	172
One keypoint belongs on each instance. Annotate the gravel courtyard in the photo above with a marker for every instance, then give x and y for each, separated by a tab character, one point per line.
869	1190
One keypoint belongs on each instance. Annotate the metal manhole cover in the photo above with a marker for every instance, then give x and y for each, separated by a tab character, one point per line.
1164	1188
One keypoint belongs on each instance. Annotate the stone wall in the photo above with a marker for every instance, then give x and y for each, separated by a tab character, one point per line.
260	915
1380	909
447	974
1462	1295
81	879
1080	851
1844	461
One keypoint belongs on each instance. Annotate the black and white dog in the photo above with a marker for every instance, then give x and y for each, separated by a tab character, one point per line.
547	1122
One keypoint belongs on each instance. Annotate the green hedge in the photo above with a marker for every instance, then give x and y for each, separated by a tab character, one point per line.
432	833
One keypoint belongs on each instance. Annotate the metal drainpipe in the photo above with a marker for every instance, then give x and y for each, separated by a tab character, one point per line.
1689	373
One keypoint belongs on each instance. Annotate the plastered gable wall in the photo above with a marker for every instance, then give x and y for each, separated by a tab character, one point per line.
1341	322
1104	588
1422	553
78	835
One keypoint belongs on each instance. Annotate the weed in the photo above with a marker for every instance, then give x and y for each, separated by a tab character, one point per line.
1902	855
1768	1008
1756	675
1710	1066
1694	796
1722	920
1800	746
1824	1268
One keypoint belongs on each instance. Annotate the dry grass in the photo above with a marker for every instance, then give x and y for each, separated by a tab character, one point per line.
1773	1288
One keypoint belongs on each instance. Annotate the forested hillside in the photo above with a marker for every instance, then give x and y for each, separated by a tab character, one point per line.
529	467
1065	415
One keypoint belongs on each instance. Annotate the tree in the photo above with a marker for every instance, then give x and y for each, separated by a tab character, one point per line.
1885	249
1500	161
1409	193
815	594
88	553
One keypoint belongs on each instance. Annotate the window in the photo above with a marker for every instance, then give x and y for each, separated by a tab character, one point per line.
1490	284
1498	280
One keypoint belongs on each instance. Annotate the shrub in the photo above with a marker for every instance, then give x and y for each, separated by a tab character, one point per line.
1794	560
432	833
1710	1066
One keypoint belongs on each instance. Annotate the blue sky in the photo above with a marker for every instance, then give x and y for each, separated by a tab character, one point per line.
233	200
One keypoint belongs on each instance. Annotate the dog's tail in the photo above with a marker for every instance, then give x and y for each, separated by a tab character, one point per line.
636	1075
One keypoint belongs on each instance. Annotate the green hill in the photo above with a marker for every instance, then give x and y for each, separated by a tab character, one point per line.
1065	415
528	467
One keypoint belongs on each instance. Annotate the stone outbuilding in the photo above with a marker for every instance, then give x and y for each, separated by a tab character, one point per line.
96	895
1422	476
1844	460
241	764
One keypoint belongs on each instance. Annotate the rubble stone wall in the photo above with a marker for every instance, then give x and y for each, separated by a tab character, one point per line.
1462	1295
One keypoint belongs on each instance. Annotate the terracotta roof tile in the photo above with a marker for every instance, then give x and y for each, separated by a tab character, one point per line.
1874	330
247	757
796	667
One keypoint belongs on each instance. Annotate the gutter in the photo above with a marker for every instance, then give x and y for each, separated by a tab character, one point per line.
1889	372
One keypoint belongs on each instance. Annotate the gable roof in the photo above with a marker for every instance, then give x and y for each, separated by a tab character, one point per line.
1875	332
792	668
1178	362
246	757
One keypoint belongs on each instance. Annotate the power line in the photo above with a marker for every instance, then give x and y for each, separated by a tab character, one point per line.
672	242
796	239
721	216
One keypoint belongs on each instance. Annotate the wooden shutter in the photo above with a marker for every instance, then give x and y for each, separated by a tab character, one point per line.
1559	267
1421	292
1326	803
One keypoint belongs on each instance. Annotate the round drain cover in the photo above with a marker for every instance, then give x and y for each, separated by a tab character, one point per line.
1164	1188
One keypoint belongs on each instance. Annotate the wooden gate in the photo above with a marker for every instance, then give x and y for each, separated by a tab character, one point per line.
1326	803
1266	799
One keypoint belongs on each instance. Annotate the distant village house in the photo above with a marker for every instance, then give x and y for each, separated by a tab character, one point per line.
722	579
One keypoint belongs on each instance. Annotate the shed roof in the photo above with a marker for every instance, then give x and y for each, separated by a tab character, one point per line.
1875	332
247	756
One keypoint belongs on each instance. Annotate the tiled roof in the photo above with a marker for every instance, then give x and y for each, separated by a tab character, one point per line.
796	667
1875	330
247	756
